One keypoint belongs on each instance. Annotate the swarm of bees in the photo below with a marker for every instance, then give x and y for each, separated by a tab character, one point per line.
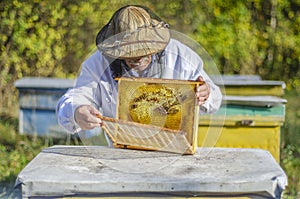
157	105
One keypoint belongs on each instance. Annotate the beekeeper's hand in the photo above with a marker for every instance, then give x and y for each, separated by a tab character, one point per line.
86	117
202	92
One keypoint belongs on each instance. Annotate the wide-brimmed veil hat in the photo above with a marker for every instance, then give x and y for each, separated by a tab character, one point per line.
133	31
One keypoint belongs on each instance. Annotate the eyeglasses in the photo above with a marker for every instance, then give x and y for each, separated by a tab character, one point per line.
138	59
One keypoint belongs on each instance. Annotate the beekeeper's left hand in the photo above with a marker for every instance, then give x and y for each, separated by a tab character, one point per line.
202	92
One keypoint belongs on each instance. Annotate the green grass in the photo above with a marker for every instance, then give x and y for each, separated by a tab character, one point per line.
290	144
17	150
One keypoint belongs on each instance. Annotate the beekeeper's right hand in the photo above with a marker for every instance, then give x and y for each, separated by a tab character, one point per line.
86	117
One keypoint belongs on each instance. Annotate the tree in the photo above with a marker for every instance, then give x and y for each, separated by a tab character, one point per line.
51	39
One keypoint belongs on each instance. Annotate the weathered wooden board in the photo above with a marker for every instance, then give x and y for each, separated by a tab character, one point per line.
100	171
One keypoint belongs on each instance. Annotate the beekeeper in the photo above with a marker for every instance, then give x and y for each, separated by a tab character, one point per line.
134	43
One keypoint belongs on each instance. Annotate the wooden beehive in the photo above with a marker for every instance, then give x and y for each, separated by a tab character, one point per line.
156	114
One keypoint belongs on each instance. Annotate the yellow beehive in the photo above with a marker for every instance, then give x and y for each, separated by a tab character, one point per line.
245	122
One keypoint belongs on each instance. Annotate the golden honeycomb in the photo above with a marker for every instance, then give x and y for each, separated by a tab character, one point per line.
158	105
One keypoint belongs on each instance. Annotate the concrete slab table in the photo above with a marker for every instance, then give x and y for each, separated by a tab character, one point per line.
94	171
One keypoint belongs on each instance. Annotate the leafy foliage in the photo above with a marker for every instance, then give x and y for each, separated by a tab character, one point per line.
42	38
252	37
290	152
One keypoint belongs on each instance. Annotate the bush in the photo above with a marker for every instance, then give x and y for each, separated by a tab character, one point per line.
16	151
290	153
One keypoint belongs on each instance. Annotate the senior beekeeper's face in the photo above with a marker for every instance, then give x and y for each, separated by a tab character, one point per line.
133	34
138	63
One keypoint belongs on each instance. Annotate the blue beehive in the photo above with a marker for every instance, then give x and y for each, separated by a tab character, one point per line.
37	104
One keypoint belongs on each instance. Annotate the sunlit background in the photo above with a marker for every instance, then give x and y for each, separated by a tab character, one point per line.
43	38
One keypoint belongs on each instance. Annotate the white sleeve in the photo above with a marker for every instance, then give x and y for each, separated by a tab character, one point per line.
83	93
67	105
214	100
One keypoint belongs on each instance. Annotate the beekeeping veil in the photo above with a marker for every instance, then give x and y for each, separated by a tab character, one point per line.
133	31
